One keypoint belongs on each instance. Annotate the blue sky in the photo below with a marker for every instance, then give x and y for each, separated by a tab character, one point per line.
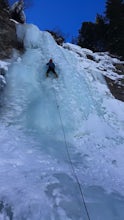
66	15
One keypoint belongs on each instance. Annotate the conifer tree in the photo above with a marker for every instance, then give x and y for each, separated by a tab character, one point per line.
115	34
87	35
92	35
107	33
114	11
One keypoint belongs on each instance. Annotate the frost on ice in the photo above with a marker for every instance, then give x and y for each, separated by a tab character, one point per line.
48	125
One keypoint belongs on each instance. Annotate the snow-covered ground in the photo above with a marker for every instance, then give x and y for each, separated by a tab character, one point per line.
61	140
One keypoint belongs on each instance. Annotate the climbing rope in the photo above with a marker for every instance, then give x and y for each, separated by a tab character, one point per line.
68	154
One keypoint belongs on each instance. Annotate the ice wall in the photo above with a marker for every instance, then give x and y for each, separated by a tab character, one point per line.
41	118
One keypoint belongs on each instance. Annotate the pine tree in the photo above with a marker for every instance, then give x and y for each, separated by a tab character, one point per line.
92	35
114	11
115	34
107	33
87	35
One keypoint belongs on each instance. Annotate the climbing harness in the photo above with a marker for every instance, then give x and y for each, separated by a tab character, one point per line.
69	158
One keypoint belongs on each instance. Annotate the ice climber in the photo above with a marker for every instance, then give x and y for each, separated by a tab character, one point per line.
51	68
17	12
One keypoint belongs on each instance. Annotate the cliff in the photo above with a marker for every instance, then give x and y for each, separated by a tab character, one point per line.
8	38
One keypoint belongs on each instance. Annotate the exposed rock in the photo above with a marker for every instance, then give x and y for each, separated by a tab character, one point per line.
57	37
116	88
2	72
90	57
8	38
119	68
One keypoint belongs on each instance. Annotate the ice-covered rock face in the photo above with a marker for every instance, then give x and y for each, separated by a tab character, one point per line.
2	82
61	140
8	39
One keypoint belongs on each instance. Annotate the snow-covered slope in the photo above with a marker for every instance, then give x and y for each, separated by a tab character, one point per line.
61	140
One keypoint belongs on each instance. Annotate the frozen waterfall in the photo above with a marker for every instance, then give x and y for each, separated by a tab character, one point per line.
60	139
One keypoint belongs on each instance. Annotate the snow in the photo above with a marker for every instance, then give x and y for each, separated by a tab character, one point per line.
4	64
59	134
3	67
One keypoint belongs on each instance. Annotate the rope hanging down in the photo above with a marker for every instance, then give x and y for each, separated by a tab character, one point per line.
72	167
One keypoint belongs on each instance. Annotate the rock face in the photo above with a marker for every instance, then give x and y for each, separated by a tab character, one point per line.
57	37
116	88
8	38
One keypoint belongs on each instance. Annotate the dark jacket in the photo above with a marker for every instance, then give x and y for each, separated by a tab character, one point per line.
51	65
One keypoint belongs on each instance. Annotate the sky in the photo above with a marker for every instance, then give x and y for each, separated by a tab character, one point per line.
66	16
